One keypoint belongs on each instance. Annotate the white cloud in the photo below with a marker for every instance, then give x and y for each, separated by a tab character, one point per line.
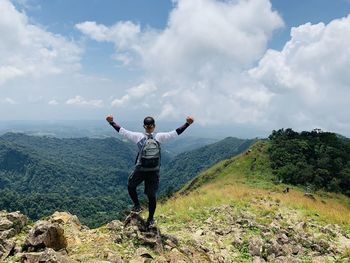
124	35
80	101
143	91
310	76
27	50
202	55
10	101
53	102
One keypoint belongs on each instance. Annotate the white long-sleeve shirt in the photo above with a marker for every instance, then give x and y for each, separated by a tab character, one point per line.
137	137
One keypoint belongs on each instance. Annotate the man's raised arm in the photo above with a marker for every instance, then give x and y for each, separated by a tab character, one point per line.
110	120
166	136
132	136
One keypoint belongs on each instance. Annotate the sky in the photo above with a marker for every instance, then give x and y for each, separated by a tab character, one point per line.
254	65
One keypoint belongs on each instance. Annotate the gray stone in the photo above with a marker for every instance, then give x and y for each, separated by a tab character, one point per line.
6	234
45	235
115	225
255	246
282	238
5	224
19	220
114	258
47	256
274	248
258	260
6	248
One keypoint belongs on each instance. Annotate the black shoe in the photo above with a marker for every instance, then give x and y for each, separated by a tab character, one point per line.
136	209
150	224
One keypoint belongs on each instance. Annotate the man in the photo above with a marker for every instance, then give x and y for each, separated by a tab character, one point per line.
149	175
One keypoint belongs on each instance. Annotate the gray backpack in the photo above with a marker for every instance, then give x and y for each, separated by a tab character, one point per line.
149	155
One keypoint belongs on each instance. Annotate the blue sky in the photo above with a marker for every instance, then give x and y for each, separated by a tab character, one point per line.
225	62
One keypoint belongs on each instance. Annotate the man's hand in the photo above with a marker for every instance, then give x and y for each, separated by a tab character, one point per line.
109	118
189	119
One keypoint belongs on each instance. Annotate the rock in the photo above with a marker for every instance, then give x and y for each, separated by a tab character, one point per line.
66	218
274	248
282	238
297	250
19	220
6	234
186	251
258	260
237	242
318	259
45	235
170	240
5	224
255	246
143	252
51	256
118	239
287	260
199	233
175	256
135	220
115	225
6	248
114	258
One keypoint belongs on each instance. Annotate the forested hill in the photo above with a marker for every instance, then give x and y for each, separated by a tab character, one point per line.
316	159
39	175
86	176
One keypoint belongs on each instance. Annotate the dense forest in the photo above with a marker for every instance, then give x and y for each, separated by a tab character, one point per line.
86	176
316	159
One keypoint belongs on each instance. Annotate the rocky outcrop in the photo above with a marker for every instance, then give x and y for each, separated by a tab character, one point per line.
11	224
228	234
47	256
45	235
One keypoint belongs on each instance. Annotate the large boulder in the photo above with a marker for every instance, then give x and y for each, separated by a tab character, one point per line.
18	220
45	235
47	256
5	224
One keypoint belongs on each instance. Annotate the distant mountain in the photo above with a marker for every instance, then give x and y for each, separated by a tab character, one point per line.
185	166
185	144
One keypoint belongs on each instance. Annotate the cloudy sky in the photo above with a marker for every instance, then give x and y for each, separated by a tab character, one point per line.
258	64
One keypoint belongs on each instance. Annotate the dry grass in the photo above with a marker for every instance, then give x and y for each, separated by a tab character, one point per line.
184	208
239	180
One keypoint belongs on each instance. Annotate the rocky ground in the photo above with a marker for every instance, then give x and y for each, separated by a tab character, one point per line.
229	234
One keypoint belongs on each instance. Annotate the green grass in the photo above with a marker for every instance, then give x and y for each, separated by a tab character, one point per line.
241	179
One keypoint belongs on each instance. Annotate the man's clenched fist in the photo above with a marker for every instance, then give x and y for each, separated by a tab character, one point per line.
109	118
189	119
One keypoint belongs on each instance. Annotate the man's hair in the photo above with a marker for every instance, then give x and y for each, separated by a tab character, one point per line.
148	121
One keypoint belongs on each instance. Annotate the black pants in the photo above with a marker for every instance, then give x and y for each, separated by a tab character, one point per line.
151	180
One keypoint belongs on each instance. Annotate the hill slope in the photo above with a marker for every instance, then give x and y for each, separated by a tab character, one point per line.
232	212
184	167
235	213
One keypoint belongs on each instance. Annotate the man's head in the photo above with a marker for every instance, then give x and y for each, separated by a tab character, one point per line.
149	124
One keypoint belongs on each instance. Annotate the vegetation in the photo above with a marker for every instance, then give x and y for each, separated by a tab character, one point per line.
239	181
319	160
184	167
85	176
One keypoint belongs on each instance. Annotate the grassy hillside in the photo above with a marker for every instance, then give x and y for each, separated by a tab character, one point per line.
185	166
243	187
